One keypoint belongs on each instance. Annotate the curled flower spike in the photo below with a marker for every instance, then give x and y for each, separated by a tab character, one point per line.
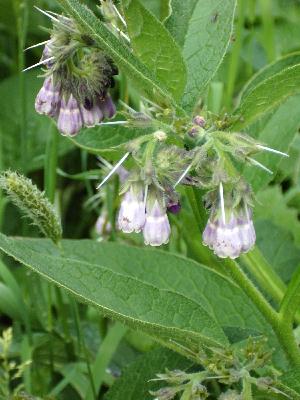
132	211
82	74
229	231
157	227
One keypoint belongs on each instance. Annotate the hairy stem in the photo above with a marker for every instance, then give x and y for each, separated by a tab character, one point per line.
285	336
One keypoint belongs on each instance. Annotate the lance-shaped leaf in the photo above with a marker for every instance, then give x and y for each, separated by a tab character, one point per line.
267	95
203	29
160	312
154	45
138	73
271	69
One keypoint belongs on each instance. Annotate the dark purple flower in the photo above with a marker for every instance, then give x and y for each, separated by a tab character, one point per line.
174	207
69	120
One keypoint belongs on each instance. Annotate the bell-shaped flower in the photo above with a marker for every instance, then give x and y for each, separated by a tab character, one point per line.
157	227
91	114
48	99
107	106
131	216
69	120
231	236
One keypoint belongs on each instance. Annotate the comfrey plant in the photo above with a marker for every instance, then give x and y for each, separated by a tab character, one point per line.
193	174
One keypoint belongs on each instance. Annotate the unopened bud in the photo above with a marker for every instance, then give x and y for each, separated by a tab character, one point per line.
160	135
200	121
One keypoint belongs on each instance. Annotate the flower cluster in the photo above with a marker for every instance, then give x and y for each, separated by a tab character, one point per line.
77	79
233	368
229	230
149	215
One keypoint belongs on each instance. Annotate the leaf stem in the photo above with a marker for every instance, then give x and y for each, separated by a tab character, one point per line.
266	277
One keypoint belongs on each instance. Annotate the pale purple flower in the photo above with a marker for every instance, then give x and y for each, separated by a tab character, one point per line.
231	236
69	120
132	211
102	225
91	114
48	99
107	106
157	227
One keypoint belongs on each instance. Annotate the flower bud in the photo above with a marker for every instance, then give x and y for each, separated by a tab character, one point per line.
200	121
69	120
174	207
157	228
48	99
132	211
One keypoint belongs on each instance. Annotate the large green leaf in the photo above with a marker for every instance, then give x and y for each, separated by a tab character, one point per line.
278	133
138	73
271	69
38	128
154	45
267	95
212	292
137	379
160	312
203	29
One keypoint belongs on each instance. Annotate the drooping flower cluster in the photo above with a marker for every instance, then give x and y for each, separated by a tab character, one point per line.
77	79
149	215
229	230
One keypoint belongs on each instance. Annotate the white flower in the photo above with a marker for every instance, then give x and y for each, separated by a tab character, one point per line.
132	211
157	228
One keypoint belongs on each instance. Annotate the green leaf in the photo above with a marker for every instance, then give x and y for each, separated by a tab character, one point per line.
37	127
135	381
278	247
271	69
135	70
220	301
203	29
160	312
279	213
278	133
292	380
155	47
267	95
107	138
